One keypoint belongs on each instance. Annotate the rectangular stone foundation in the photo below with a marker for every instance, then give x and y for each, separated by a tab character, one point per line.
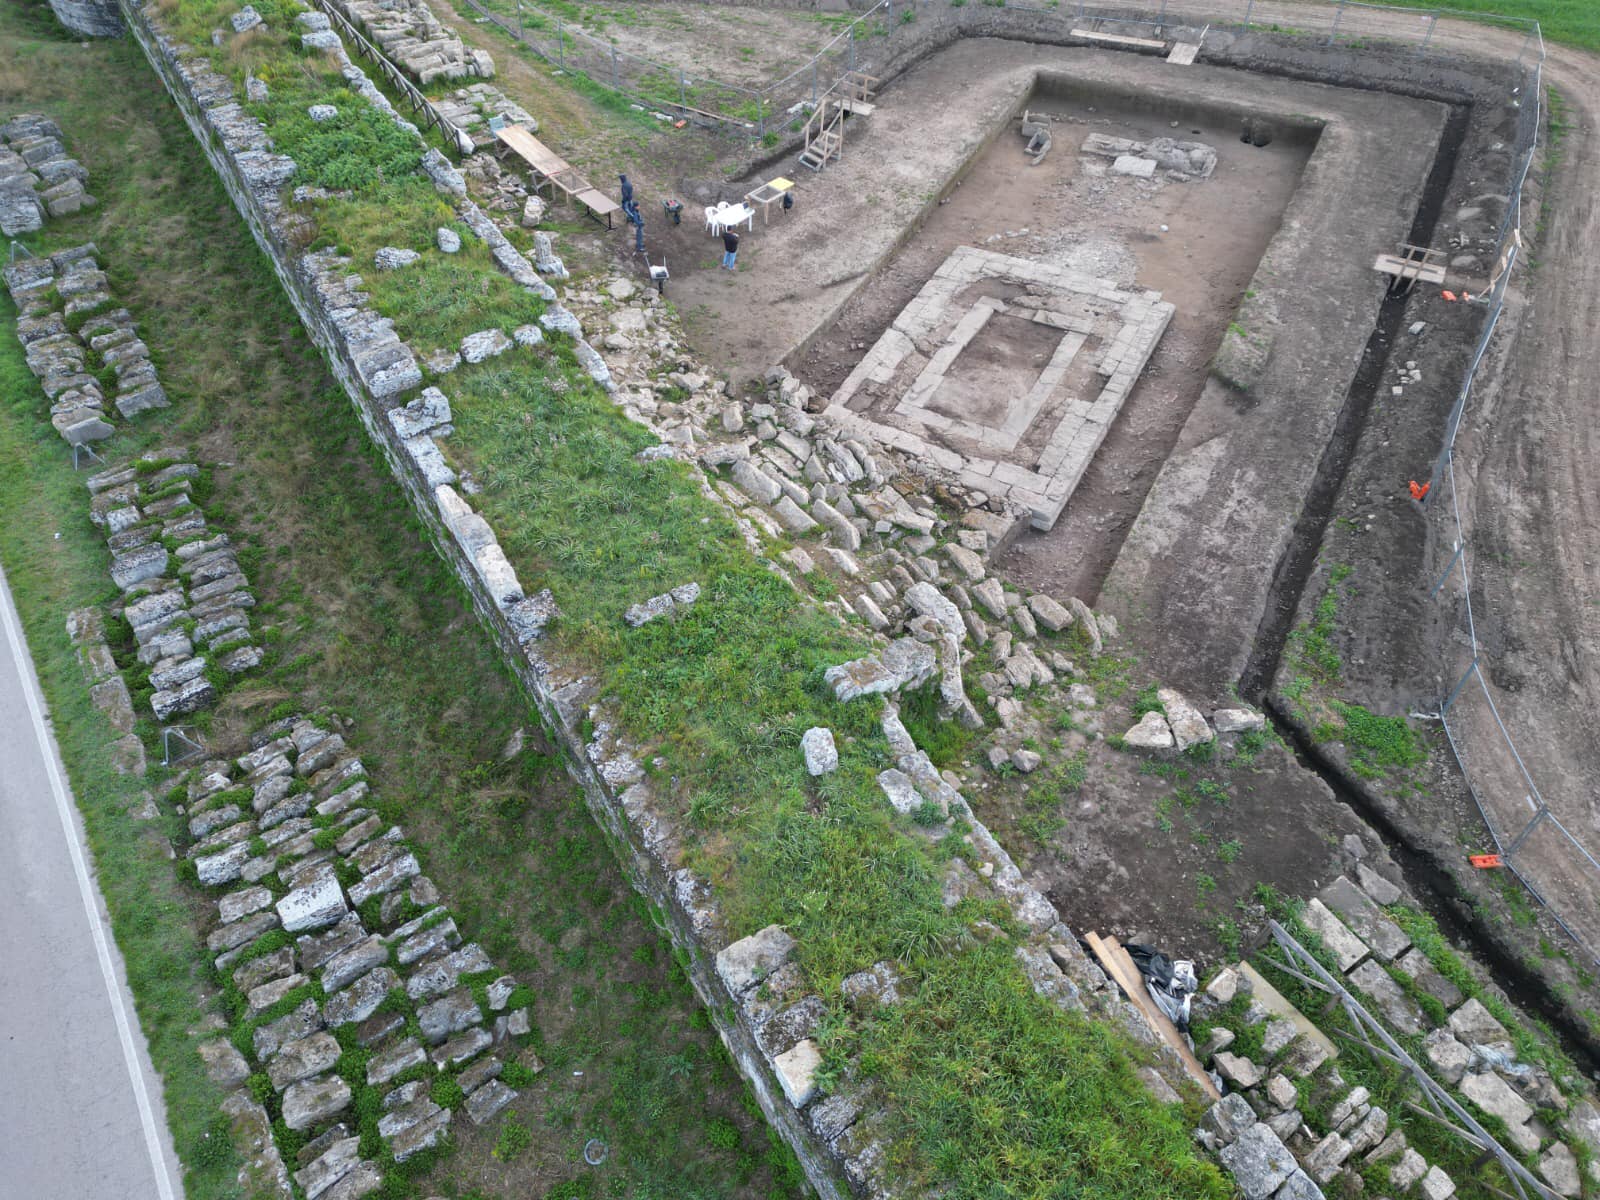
1005	372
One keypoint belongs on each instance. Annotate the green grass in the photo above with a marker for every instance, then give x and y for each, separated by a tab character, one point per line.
1573	22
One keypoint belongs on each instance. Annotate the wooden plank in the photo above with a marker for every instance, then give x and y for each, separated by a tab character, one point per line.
1119	39
1121	968
1402	268
1183	53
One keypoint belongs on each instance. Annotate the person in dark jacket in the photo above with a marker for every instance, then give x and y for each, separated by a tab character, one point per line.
627	192
730	246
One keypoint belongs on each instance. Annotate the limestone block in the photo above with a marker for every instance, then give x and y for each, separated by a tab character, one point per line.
311	1102
1347	949
1474	1024
821	755
748	961
797	1072
1259	1162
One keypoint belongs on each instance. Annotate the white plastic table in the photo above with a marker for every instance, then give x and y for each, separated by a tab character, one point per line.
732	214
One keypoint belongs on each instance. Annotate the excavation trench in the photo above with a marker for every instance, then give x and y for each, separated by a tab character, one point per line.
1444	899
1299	558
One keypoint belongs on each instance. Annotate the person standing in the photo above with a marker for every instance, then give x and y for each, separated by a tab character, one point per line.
730	246
627	192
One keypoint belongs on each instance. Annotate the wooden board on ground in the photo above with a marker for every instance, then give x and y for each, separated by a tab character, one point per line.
1122	969
1120	39
1183	53
1407	268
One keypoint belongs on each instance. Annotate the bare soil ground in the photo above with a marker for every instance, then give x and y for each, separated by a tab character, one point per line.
1196	242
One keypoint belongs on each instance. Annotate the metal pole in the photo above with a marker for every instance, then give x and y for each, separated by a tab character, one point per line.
1456	691
561	45
1428	37
1337	13
853	48
1248	9
1516	842
519	20
614	86
1449	567
683	91
1162	19
813	83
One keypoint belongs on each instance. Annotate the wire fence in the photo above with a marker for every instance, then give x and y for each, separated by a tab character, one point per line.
1532	840
891	34
1529	834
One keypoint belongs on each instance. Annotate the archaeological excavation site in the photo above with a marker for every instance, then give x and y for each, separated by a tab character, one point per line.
799	598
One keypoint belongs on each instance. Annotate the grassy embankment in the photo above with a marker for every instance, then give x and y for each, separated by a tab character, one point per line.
361	616
991	1087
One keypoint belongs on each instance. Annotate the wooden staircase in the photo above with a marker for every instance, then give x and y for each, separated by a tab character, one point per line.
851	95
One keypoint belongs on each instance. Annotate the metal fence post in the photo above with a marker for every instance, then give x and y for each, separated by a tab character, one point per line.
683	91
1162	19
1337	13
561	44
1456	691
1449	567
1428	37
852	47
614	86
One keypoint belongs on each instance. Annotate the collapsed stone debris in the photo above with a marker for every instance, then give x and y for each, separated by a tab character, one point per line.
1263	1130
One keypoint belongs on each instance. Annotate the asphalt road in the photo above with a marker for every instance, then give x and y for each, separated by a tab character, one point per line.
80	1105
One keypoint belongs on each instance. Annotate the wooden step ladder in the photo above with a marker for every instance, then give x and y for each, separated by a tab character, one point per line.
850	96
824	134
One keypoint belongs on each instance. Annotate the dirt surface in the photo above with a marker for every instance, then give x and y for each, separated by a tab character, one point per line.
747	46
1195	242
1174	852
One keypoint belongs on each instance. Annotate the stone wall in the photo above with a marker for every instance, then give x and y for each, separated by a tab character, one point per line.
92	18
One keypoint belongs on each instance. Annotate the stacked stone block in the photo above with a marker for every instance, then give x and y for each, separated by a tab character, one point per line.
1471	1052
37	178
79	346
417	41
186	598
360	955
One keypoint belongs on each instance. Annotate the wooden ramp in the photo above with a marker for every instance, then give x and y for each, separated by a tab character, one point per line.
1183	53
550	169
1122	969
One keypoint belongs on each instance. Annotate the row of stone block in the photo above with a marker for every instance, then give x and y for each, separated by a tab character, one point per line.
1471	1051
187	599
71	337
37	177
286	834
